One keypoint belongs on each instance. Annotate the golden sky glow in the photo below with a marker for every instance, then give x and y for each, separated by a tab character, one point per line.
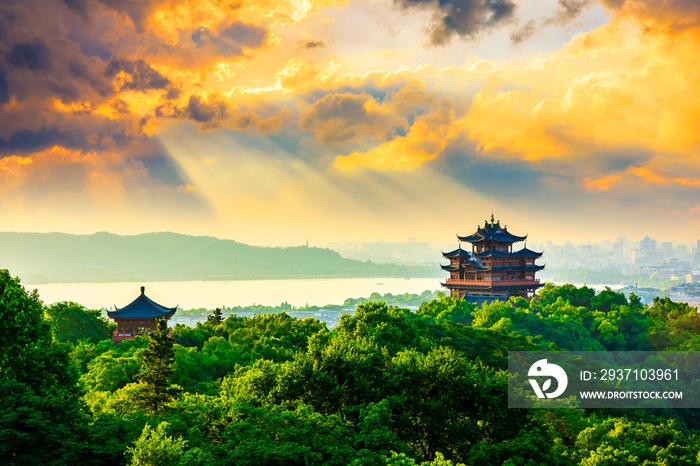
271	122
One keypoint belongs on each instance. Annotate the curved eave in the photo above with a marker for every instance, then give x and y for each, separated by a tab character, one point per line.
142	308
492	253
456	253
527	252
498	237
475	238
126	315
449	268
506	237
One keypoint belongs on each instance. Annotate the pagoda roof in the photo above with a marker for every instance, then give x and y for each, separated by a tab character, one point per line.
142	307
451	268
459	252
526	252
492	253
492	232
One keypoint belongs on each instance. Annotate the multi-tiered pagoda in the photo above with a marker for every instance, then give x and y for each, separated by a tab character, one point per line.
491	270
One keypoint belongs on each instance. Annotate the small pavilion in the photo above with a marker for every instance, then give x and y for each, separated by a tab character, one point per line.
138	318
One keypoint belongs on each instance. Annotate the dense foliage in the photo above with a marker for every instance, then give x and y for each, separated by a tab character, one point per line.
386	386
405	299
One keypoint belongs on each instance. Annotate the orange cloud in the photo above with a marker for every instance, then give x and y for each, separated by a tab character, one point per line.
426	139
615	87
360	118
647	175
688	181
601	184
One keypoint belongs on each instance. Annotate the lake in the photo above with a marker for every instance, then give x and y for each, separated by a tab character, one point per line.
212	294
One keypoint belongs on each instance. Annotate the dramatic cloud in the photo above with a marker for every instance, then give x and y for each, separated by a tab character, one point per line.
567	11
231	40
427	137
676	14
340	118
256	111
465	18
209	113
138	75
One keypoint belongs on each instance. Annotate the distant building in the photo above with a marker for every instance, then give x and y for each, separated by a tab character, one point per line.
138	318
492	270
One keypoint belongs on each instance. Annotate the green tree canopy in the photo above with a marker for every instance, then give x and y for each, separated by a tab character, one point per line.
72	322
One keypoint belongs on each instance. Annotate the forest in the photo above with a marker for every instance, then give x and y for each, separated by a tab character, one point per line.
387	386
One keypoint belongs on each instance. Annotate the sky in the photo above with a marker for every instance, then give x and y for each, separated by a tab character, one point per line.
274	122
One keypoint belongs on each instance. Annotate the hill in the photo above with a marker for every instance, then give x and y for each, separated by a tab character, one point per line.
104	257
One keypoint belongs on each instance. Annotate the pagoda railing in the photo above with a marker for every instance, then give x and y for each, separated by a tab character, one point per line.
117	333
485	283
118	336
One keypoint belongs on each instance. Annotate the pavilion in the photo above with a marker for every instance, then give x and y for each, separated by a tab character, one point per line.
138	318
492	270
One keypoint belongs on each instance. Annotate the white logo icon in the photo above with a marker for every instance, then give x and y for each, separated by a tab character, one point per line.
542	369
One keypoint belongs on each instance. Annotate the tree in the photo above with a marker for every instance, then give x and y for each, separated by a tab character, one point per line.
155	389
156	448
72	322
40	407
29	354
456	310
216	317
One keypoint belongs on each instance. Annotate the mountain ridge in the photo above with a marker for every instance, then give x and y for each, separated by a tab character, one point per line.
163	256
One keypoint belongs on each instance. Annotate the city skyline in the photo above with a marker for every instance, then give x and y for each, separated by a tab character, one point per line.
274	123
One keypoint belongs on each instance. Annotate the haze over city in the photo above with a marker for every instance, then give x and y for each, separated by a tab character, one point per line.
276	122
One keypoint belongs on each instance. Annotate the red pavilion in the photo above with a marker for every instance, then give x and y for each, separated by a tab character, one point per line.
138	318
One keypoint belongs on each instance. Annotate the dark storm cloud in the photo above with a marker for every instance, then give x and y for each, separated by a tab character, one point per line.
205	112
32	55
136	10
84	132
232	40
57	87
141	76
567	11
64	62
464	18
25	141
39	61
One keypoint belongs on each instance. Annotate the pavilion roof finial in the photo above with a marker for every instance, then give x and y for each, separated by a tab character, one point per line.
143	290
493	220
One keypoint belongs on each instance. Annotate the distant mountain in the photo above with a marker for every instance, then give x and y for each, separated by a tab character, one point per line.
105	257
